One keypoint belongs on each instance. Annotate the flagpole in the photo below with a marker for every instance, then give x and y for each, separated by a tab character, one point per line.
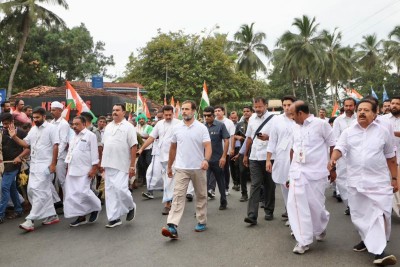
166	82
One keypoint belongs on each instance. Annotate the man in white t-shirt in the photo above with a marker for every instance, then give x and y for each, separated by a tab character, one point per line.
190	150
118	161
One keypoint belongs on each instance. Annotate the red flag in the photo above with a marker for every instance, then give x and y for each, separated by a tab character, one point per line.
335	111
172	101
145	107
177	110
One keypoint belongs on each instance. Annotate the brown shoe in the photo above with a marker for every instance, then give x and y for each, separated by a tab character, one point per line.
166	211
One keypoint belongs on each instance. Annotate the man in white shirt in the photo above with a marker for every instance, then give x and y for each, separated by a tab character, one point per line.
230	126
82	160
163	133
308	178
339	125
279	144
257	138
118	161
322	114
190	150
43	142
371	180
63	133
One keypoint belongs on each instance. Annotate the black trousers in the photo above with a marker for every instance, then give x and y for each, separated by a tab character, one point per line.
218	175
244	175
143	163
259	177
234	166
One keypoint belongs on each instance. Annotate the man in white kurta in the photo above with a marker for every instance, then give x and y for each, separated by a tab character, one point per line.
118	161
371	162
162	132
339	125
280	143
82	159
43	142
63	133
308	177
394	118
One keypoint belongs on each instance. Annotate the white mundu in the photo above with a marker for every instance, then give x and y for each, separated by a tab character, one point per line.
370	191
83	153
118	140
279	145
162	132
308	179
42	140
339	125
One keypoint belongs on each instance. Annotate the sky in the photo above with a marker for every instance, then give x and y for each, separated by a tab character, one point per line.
126	25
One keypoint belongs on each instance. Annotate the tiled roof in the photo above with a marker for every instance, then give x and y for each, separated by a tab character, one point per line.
109	85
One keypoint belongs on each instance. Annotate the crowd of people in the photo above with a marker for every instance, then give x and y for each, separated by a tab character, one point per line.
75	167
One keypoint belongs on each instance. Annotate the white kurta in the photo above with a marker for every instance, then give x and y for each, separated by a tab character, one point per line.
370	191
63	133
308	179
80	200
339	125
42	140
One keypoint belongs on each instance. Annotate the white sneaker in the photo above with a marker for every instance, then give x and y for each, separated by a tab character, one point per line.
27	226
287	223
321	237
300	249
227	192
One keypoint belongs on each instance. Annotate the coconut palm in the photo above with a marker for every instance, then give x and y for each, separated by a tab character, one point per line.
392	48
338	65
369	52
22	14
304	51
247	46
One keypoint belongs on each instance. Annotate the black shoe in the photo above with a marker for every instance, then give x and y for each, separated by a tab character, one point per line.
269	216
347	211
262	205
360	247
114	223
285	215
334	193
222	207
131	214
93	216
79	221
339	198
384	260
189	197
250	220
244	198
211	194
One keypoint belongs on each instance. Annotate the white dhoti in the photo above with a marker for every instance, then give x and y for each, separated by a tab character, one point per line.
306	209
280	174
154	176
169	184
79	199
341	180
119	199
40	195
61	173
371	215
396	203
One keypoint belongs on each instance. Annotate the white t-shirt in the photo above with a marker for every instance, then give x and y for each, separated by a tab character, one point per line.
163	131
118	140
230	126
190	147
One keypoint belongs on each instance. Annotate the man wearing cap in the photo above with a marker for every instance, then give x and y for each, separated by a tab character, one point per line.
119	157
63	135
43	142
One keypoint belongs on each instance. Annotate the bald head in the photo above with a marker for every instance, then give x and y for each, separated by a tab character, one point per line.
299	111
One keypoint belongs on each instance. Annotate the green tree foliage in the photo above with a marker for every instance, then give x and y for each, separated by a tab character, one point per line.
188	60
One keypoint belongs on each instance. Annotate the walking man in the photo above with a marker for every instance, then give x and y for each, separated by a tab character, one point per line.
308	178
43	142
82	159
191	152
370	160
118	161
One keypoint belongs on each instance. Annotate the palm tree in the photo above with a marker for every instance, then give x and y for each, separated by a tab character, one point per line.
304	51
247	45
338	65
392	48
22	14
369	54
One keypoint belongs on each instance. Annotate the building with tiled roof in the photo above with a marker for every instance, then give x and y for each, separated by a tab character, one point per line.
99	101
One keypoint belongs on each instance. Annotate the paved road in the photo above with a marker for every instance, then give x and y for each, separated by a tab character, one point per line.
227	242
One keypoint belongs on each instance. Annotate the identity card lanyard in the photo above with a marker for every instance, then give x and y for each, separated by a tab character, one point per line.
76	141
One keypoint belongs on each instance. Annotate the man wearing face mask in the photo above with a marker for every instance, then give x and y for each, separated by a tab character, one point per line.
43	141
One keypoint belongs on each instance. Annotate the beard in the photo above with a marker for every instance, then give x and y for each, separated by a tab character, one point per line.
395	112
187	117
39	123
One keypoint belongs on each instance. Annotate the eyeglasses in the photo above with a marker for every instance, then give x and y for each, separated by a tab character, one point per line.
208	115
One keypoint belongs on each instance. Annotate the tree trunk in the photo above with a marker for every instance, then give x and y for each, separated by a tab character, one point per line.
22	43
294	89
332	93
314	98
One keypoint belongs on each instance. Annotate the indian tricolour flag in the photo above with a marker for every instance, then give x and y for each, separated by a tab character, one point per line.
204	102
75	101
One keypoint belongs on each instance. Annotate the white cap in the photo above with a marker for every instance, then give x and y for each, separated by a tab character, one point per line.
57	104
